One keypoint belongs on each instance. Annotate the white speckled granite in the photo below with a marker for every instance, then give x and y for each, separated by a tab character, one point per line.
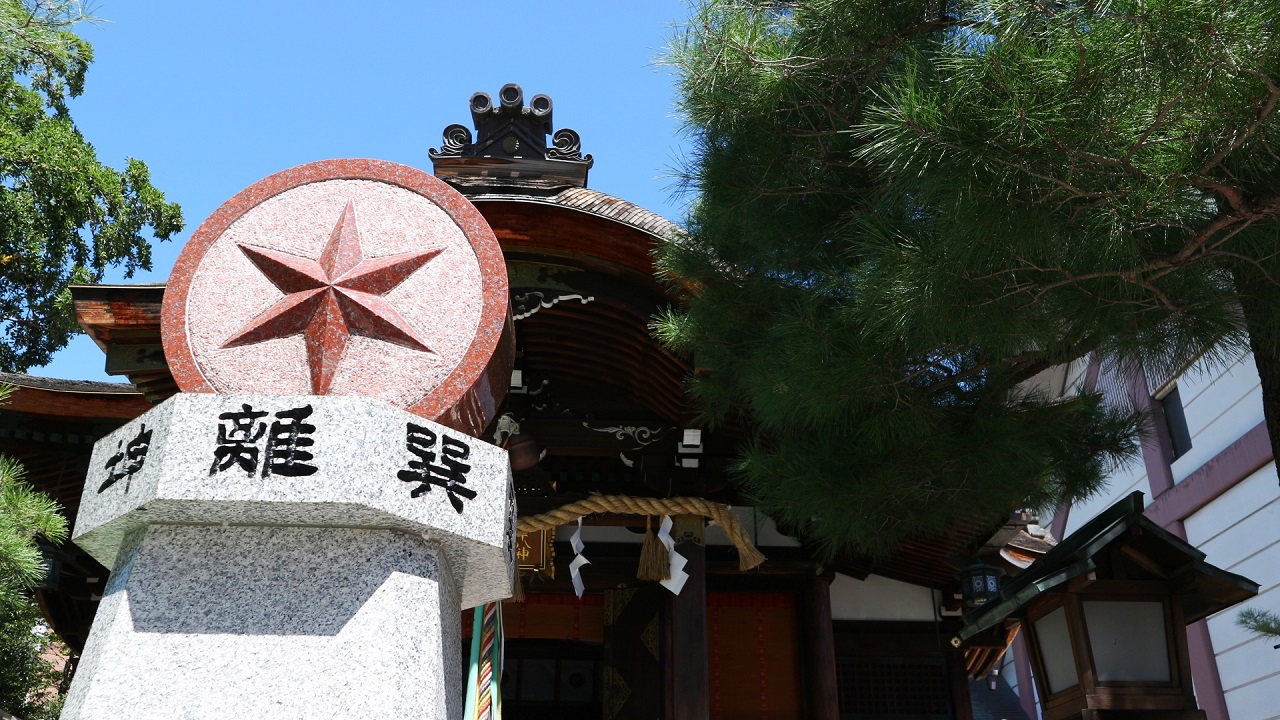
275	623
360	446
238	591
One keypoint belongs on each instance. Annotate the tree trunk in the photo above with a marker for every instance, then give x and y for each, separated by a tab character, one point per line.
1260	300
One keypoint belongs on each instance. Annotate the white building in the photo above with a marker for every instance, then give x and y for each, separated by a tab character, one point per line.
1209	476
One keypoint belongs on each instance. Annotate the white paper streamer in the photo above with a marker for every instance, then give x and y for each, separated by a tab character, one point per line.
575	573
674	583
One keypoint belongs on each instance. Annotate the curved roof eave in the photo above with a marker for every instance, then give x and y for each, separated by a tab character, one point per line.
592	202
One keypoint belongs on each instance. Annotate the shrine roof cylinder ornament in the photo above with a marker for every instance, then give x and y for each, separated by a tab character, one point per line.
345	277
510	145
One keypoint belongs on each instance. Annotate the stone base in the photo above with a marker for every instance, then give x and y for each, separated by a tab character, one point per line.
273	623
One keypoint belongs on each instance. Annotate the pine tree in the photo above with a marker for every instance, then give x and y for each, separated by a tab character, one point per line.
64	215
908	211
25	514
25	640
1260	622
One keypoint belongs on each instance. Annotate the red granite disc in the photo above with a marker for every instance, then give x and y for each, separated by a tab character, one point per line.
345	277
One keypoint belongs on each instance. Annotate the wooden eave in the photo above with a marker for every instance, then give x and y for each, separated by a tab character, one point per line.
73	399
124	320
119	314
930	561
528	229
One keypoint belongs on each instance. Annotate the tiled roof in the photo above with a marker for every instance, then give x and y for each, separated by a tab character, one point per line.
593	202
83	386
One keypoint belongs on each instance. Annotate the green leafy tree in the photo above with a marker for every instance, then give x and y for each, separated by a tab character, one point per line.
28	679
64	215
906	212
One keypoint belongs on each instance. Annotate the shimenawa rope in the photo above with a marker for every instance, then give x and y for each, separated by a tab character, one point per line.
748	556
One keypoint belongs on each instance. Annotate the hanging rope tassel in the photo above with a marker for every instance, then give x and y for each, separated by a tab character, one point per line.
655	563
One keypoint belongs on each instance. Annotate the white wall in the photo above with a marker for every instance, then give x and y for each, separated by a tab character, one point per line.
1240	532
1132	476
1009	672
1220	406
760	527
879	598
1076	371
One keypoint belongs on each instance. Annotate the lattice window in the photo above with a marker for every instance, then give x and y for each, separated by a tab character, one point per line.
872	688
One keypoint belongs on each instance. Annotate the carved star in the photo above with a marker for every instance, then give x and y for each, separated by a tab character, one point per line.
331	298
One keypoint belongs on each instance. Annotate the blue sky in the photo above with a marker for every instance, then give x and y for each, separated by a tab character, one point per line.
215	96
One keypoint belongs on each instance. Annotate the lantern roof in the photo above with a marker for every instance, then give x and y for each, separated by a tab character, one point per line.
1096	549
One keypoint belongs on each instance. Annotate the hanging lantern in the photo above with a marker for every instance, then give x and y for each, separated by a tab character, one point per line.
979	584
524	451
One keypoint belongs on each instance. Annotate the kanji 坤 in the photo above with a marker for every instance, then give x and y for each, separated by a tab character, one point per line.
128	459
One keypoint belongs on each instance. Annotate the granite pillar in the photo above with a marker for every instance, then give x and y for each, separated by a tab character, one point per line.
331	592
270	622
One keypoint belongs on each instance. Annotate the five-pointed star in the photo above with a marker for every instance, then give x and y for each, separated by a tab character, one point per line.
332	298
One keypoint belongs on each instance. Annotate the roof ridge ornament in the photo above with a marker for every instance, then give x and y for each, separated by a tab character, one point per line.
510	147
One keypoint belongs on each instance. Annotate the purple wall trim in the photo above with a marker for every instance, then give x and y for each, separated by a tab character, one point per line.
1022	667
1204	669
1204	666
1091	375
1058	527
1222	472
1157	448
1157	454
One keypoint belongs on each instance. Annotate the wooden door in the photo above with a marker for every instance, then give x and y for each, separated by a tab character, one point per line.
633	638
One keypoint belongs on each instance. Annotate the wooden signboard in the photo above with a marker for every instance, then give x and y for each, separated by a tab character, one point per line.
535	553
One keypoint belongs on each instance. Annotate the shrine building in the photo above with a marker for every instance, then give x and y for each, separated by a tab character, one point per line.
597	408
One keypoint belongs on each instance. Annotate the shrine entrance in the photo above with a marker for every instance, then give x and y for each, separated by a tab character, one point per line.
552	680
598	657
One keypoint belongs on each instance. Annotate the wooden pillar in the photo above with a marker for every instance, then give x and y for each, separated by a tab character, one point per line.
820	650
688	696
961	703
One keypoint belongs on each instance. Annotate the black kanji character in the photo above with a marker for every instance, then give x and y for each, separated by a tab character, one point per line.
238	440
136	451
114	475
419	441
449	473
452	453
285	455
127	461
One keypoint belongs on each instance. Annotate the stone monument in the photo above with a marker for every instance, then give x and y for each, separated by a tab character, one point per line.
295	534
